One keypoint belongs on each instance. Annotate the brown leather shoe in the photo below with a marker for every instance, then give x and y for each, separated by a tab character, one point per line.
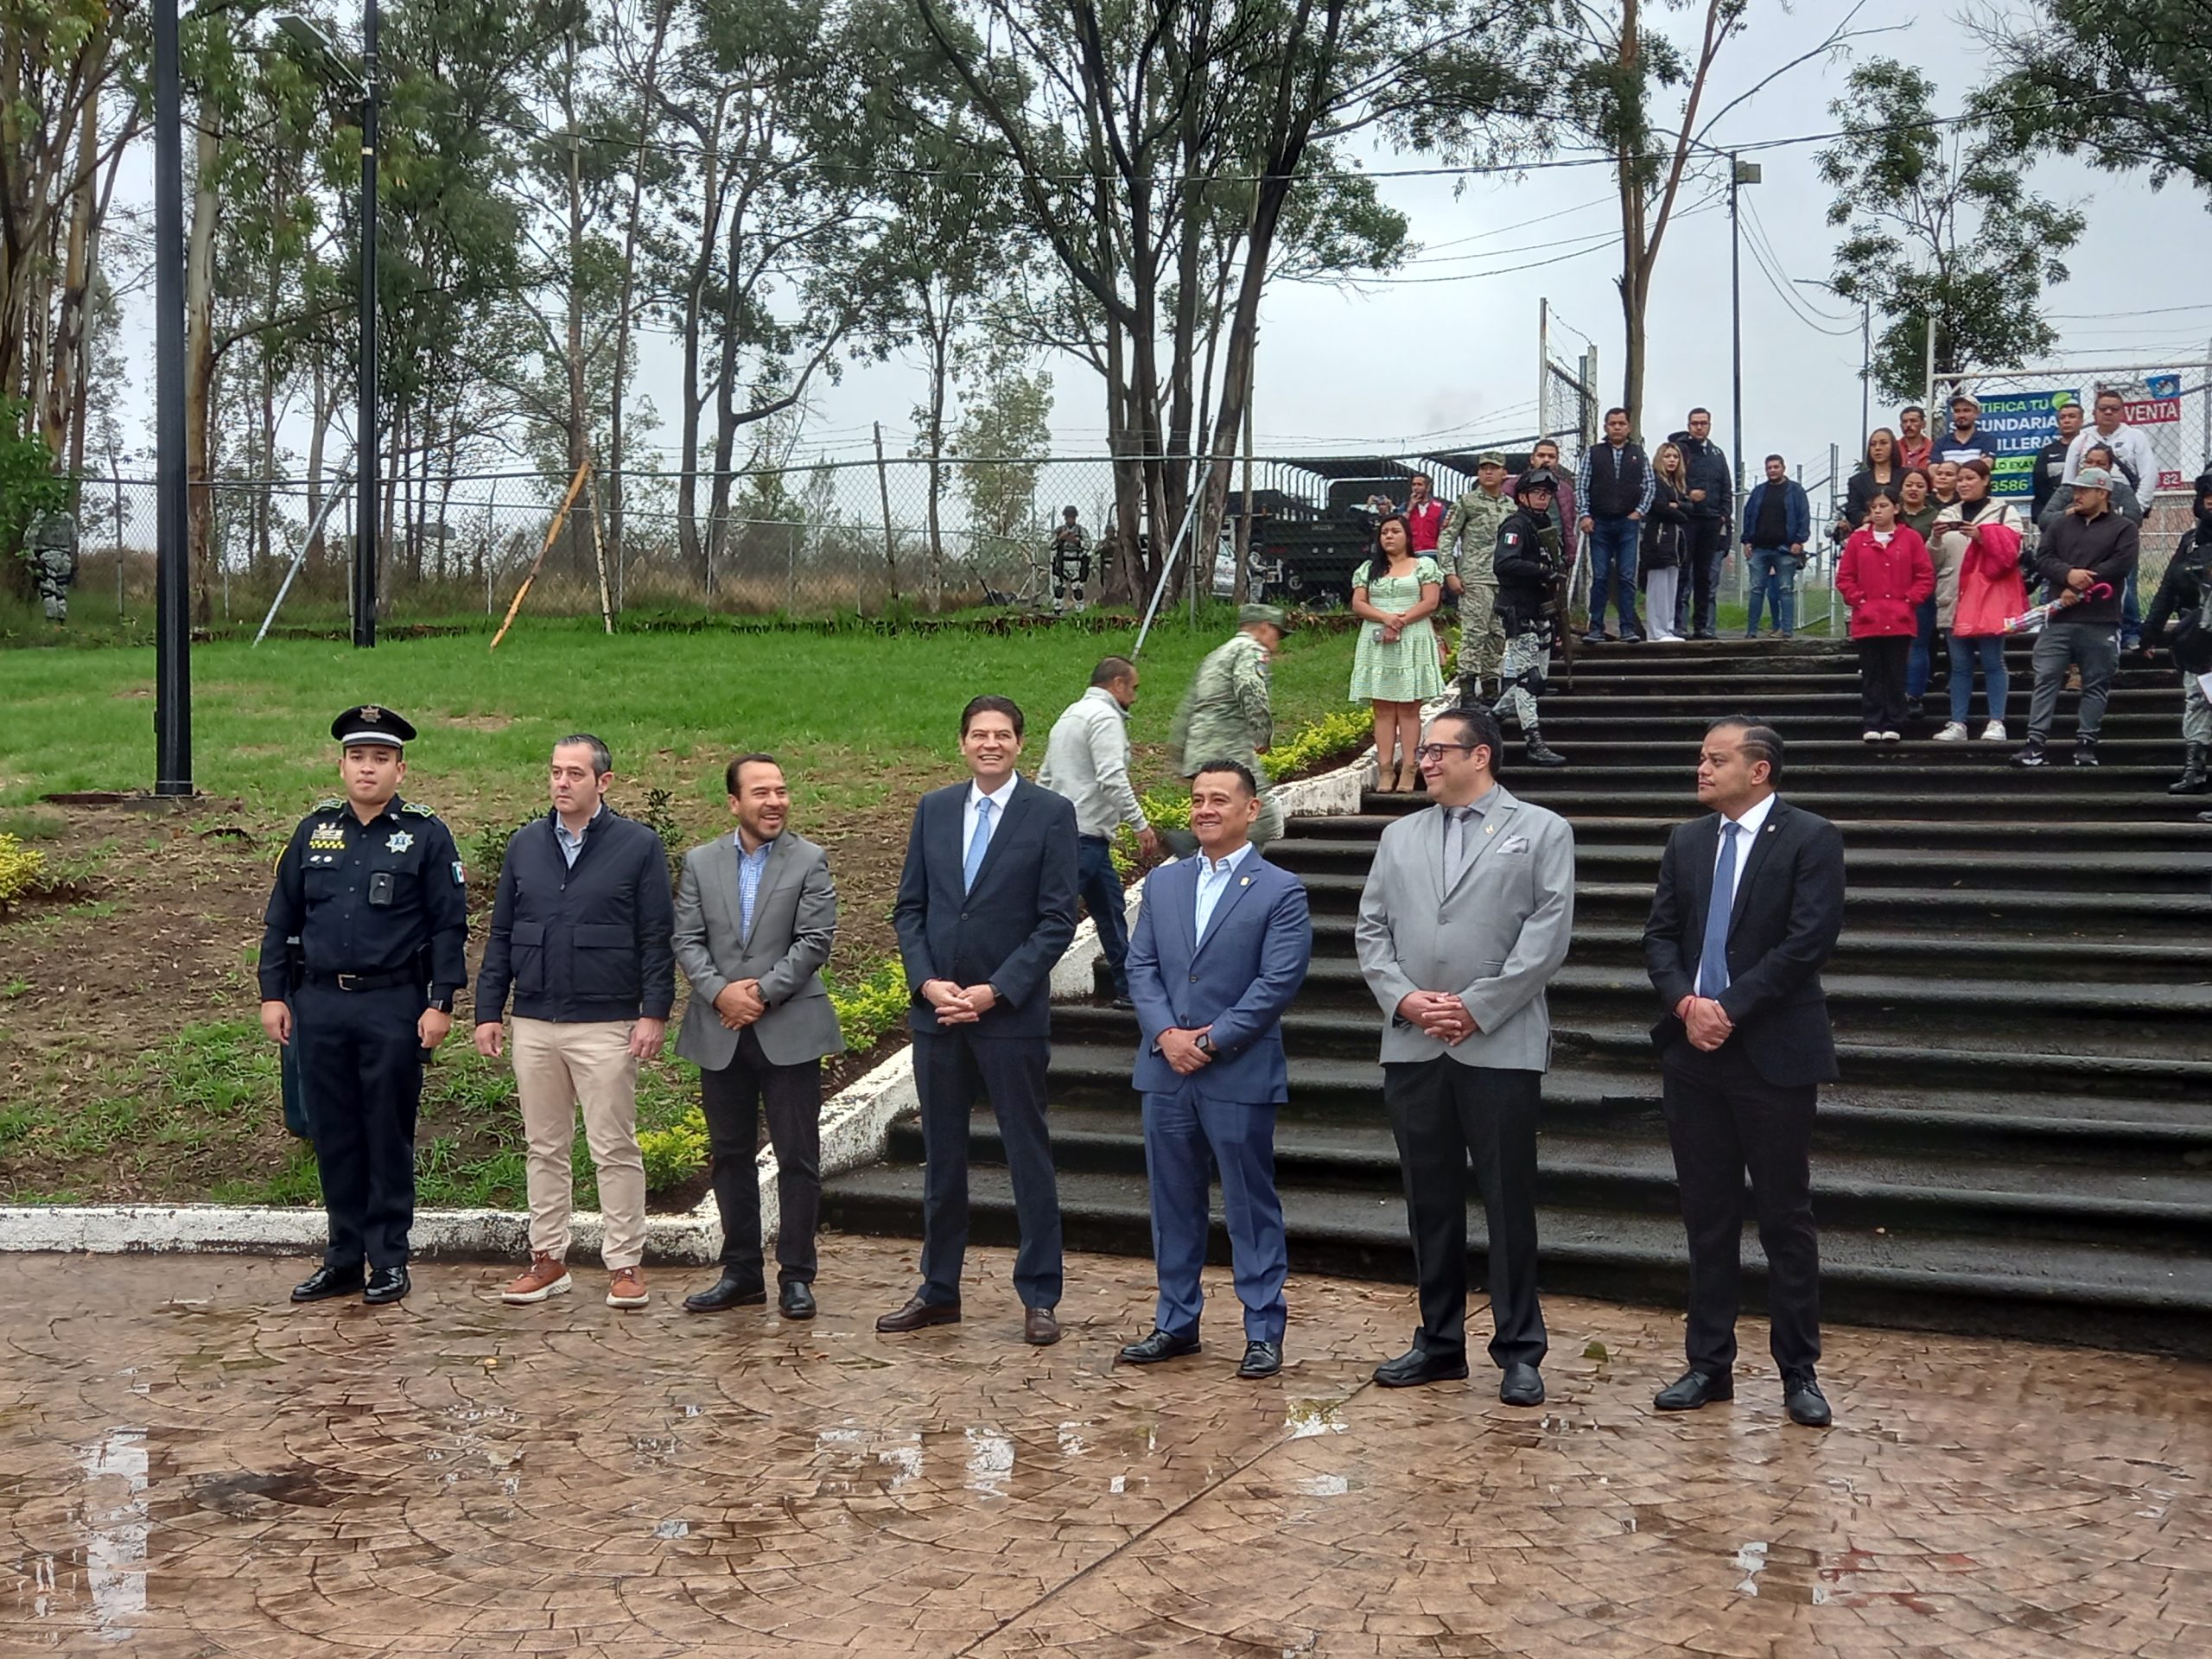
1039	1328
626	1287
919	1315
547	1275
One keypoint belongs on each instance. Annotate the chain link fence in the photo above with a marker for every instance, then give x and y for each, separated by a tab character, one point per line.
834	538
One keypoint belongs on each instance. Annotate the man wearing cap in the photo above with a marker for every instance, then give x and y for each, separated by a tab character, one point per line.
2091	547
1966	438
373	888
1462	551
1528	571
1225	715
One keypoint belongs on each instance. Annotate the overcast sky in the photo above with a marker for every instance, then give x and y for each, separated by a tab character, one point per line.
1449	343
1443	352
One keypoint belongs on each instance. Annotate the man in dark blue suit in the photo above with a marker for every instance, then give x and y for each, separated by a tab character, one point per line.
1221	948
986	905
1748	909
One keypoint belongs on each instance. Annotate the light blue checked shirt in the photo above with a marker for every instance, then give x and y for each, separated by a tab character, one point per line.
749	866
1213	881
571	846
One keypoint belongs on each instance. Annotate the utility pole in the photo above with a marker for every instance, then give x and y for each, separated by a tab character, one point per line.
172	574
371	468
1740	172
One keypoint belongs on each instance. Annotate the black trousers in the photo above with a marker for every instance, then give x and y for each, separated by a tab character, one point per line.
361	1064
950	1069
731	1100
1443	1113
1703	548
1726	1120
1881	681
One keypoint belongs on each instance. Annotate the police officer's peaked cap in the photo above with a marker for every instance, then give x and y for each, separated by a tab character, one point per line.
367	723
1536	478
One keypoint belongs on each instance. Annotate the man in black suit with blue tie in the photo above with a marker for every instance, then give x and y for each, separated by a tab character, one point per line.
1221	948
1748	906
986	905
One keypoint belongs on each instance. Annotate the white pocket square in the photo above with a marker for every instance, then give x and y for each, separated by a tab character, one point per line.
1513	844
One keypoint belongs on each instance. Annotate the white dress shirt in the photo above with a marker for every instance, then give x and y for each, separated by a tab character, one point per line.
1213	882
1087	761
999	796
1753	819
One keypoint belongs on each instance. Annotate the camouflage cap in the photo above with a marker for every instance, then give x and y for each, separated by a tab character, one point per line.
1490	458
1270	615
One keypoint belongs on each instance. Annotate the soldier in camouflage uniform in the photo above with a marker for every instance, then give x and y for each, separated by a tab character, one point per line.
1225	715
1464	551
50	549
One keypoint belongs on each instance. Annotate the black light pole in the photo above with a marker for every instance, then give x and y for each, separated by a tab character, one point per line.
368	470
172	573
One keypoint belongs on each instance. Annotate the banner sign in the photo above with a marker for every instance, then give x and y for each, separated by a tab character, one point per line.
2021	423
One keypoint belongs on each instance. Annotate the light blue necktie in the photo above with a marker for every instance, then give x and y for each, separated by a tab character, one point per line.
1712	961
980	845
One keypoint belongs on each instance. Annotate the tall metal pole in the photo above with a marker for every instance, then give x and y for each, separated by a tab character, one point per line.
172	573
371	469
1736	318
1866	367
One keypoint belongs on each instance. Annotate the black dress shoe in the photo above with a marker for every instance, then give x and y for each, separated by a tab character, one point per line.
1694	1388
1417	1365
1521	1385
729	1291
1160	1344
1039	1328
919	1315
1261	1359
326	1281
1802	1399
1124	1004
385	1285
796	1301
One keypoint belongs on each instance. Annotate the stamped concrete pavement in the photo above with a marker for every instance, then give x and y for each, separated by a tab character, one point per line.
193	1467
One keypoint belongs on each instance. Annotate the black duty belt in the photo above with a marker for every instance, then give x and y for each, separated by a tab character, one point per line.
365	982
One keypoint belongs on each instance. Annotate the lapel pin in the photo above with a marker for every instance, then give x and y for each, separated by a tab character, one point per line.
1244	881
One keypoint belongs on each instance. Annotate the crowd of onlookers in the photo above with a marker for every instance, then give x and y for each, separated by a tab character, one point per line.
1938	568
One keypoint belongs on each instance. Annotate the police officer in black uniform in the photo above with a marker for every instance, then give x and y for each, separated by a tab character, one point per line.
374	889
1529	565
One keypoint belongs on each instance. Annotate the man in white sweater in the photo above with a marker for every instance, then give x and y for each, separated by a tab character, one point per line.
1087	761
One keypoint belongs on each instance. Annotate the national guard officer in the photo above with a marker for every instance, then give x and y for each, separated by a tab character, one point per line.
50	549
1225	715
1529	568
374	889
1465	551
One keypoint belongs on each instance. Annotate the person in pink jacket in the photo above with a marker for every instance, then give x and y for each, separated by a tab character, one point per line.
1884	575
1979	542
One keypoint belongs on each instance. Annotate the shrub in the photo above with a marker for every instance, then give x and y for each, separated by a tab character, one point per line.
21	869
673	1154
871	1006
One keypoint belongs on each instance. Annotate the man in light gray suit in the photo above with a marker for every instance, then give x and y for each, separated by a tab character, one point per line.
1464	919
756	914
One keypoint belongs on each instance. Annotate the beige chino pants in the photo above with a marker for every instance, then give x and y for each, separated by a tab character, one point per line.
560	1065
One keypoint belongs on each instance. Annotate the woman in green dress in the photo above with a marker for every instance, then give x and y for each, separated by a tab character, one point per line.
1394	663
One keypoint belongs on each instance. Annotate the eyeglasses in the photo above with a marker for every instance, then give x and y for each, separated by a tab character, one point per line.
1438	751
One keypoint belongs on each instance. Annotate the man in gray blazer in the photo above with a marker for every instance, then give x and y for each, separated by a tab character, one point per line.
1464	919
756	914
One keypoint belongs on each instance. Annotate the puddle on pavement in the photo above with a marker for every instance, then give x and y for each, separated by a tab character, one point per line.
104	1582
1304	1419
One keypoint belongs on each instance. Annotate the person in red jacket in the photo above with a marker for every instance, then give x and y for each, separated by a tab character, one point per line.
1884	575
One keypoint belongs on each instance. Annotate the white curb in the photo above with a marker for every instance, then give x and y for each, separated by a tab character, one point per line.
855	1128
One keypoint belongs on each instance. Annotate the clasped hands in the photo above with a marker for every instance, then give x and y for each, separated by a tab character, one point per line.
1440	1014
1181	1049
957	1005
1704	1021
739	1003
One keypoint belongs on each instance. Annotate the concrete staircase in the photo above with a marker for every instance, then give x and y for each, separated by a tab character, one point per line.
2021	1143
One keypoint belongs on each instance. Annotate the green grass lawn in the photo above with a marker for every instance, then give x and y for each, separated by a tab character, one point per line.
119	1091
858	718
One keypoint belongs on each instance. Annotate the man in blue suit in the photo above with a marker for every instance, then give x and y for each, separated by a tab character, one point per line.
986	905
1221	948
